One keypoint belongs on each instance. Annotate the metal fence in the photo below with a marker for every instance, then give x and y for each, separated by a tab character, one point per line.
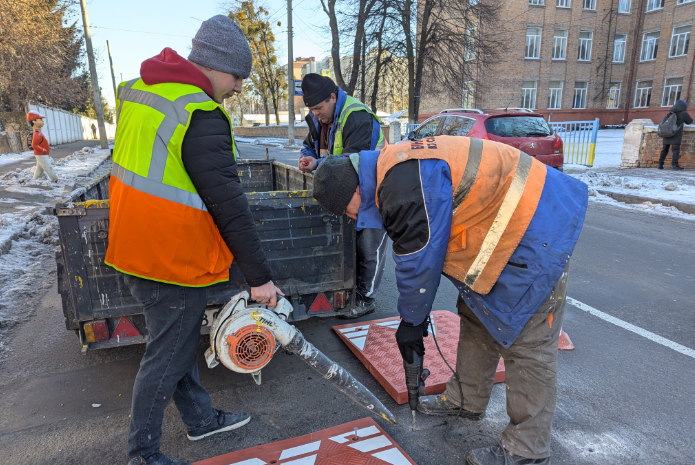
61	127
578	139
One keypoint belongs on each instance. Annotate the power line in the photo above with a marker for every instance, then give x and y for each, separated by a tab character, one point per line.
141	32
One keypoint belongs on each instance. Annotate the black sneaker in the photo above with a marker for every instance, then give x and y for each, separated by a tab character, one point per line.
362	308
495	456
677	168
225	421
439	405
157	459
661	167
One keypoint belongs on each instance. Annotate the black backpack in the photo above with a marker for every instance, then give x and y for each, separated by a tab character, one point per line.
29	137
668	126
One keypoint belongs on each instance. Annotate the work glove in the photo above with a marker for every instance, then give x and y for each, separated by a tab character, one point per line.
410	338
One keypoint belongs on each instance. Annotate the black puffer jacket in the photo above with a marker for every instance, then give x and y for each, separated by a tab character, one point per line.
683	117
209	161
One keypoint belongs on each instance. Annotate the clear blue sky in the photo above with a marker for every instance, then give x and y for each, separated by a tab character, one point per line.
173	23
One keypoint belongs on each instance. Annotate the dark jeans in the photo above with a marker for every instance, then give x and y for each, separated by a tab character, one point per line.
174	315
530	369
674	157
371	258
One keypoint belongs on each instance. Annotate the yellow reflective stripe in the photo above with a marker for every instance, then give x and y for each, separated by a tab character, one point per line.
504	215
157	189
175	114
475	154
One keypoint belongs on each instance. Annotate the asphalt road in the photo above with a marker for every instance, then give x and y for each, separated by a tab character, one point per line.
622	399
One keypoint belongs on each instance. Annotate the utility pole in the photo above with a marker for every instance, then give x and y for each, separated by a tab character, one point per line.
290	73
93	75
113	76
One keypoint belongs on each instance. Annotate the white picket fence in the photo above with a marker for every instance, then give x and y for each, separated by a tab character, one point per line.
62	126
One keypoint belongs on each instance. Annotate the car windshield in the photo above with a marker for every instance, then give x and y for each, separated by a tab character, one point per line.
518	126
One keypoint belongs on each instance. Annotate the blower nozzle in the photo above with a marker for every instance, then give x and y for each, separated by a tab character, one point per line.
243	339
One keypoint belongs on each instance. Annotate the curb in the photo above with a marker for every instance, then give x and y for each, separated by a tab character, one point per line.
627	198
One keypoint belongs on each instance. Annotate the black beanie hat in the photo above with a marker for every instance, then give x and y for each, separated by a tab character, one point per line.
317	88
335	181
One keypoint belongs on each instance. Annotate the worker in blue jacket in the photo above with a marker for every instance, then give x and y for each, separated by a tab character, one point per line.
341	124
502	227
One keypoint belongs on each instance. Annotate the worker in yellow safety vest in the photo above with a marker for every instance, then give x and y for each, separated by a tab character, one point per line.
340	124
178	218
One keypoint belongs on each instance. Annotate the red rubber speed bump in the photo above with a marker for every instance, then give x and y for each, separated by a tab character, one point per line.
360	442
374	344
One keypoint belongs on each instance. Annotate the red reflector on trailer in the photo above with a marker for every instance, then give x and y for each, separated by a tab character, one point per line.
340	299
96	331
125	329
320	304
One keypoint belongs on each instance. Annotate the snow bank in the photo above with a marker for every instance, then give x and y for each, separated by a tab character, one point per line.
7	158
653	208
669	189
268	141
80	163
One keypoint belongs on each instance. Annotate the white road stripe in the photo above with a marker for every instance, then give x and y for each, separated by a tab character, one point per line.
369	445
299	450
361	433
635	329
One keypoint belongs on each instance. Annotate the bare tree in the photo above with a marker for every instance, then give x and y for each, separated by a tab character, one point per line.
443	42
356	15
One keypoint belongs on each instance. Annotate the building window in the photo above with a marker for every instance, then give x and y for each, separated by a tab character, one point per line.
650	45
614	95
533	42
589	4
560	44
580	95
535	2
654	5
563	3
643	94
555	100
585	39
672	91
528	95
468	97
619	48
624	6
679	41
681	2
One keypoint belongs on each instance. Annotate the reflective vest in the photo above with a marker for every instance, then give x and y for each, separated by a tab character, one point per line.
496	189
159	226
352	104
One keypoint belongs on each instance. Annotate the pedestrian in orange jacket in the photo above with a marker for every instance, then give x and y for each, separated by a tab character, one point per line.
44	163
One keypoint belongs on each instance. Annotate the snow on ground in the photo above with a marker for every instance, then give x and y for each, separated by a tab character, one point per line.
28	240
7	158
652	208
609	146
652	187
80	163
268	141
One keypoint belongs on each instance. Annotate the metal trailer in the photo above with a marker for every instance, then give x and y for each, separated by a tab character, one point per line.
311	254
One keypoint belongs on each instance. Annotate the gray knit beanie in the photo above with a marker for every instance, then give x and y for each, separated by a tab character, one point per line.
335	181
219	44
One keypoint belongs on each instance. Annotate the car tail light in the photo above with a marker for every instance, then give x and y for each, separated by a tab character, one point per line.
558	142
96	331
486	137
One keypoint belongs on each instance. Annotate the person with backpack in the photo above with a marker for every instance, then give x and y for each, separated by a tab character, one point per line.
671	130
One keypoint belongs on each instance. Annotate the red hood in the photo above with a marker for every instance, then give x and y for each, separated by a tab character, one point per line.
169	66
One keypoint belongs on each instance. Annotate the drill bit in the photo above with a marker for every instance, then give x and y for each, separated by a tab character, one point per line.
413	412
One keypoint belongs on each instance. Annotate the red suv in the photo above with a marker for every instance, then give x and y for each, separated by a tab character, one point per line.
520	128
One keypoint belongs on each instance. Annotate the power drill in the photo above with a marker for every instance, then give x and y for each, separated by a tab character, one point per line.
415	376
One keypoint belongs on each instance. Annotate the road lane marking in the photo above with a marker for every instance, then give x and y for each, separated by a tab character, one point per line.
630	327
